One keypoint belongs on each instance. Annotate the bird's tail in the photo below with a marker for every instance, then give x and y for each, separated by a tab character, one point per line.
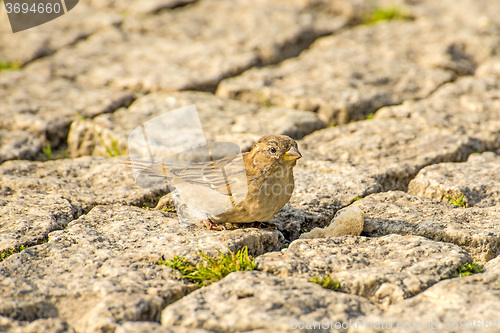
147	168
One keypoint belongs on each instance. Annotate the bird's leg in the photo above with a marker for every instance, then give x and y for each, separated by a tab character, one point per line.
210	225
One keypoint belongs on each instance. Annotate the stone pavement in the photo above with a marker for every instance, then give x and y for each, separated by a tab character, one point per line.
400	118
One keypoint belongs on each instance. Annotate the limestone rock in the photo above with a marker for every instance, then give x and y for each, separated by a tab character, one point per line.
44	108
321	189
385	270
474	229
153	327
221	119
102	268
138	7
245	301
467	106
391	150
467	303
39	197
343	77
476	180
348	221
187	49
28	45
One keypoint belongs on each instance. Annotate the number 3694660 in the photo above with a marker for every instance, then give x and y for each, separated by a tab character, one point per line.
38	8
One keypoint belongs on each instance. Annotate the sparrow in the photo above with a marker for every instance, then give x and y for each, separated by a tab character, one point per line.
267	170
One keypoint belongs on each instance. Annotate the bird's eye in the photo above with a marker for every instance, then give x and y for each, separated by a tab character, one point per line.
272	150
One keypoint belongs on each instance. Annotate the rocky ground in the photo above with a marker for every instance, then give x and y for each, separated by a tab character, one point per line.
400	118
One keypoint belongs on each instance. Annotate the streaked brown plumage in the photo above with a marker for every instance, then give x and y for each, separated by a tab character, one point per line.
269	176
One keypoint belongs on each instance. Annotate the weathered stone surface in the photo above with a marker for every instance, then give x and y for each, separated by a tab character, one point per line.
460	52
385	270
476	180
493	265
38	107
463	301
244	23
137	6
221	119
102	269
321	189
469	106
392	150
19	144
44	40
475	229
189	50
39	197
342	77
348	221
49	325
245	301
153	327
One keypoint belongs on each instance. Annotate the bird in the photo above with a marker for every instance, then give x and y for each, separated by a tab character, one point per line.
267	170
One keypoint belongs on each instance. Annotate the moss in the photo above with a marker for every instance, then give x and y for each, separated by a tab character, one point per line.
9	65
460	202
469	269
326	282
212	269
380	14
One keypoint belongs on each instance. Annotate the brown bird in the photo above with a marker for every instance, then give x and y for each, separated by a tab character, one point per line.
268	168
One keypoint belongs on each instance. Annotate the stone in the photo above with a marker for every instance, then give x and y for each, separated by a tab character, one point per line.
290	32
221	119
384	270
493	265
19	145
187	49
348	221
468	106
394	212
390	150
138	7
469	303
102	269
343	77
153	327
246	301
475	181
26	46
41	112
39	197
321	189
52	325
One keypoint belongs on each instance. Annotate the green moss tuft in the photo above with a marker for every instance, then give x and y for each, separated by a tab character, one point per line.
326	282
212	269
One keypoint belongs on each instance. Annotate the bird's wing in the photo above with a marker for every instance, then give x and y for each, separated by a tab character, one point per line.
217	175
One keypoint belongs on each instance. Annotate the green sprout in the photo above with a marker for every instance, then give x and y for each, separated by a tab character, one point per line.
7	253
112	151
380	14
47	150
168	209
326	282
457	201
357	199
469	269
9	65
212	269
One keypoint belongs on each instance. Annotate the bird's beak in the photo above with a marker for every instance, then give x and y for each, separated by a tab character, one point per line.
292	155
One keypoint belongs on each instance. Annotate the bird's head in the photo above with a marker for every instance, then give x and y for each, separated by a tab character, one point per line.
275	150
